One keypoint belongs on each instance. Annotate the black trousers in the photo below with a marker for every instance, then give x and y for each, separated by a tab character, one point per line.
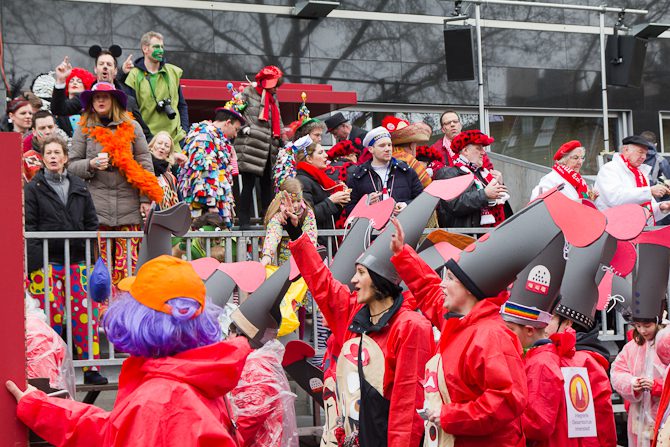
245	204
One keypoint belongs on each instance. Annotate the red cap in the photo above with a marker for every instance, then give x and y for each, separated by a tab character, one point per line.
566	148
470	137
269	76
392	123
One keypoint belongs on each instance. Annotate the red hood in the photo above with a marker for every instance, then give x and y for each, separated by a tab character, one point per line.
214	370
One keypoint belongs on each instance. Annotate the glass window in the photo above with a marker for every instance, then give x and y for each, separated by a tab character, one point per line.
536	138
665	131
370	120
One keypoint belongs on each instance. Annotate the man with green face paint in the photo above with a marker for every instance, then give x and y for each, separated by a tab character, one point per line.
155	85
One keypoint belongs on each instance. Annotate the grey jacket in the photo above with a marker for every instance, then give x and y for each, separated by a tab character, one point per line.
253	149
116	201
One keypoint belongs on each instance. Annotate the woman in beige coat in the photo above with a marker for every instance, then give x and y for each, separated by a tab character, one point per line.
110	152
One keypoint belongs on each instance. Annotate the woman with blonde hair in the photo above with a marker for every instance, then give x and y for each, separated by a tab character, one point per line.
110	152
289	198
163	156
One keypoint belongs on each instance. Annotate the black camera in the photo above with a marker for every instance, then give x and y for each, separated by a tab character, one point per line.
165	106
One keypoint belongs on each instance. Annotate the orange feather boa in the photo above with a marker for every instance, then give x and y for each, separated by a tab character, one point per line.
118	145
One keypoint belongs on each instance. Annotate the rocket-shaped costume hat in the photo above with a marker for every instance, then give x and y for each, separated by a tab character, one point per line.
158	231
579	290
650	277
488	266
535	291
413	220
364	217
441	246
259	317
221	278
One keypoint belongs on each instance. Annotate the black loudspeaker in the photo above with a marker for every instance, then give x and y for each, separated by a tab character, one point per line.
459	53
624	57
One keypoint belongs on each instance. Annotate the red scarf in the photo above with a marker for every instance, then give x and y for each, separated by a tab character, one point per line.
491	216
640	182
573	178
320	176
269	111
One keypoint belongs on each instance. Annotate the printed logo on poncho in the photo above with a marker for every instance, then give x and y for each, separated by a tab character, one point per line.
579	393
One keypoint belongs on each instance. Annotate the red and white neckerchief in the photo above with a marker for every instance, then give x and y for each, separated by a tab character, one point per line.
574	179
450	153
488	214
640	182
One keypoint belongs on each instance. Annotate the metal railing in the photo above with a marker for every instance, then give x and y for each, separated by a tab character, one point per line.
248	246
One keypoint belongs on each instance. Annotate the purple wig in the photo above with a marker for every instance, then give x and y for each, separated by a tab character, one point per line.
140	331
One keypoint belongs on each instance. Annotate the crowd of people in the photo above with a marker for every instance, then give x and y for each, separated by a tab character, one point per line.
117	145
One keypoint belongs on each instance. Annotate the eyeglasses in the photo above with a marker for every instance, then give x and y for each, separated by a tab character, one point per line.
451	122
577	157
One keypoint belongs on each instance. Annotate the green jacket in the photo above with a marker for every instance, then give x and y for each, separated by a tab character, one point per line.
166	86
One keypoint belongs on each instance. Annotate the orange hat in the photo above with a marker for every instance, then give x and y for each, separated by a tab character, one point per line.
163	278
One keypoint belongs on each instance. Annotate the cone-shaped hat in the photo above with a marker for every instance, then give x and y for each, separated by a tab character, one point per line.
413	220
579	290
367	217
492	263
535	291
259	317
650	282
158	231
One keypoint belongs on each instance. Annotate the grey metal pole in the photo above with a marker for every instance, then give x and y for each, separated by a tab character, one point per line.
603	82
603	8
483	125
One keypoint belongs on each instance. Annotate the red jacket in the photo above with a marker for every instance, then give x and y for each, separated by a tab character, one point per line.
169	401
544	420
597	366
481	361
662	407
405	342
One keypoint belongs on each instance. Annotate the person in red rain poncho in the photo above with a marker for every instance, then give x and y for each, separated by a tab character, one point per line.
385	345
475	386
172	390
527	313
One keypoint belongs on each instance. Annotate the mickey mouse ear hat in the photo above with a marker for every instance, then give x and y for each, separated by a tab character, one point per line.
489	265
413	220
535	291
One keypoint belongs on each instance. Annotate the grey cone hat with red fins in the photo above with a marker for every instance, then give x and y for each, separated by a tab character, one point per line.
365	217
650	282
413	220
487	267
579	290
259	317
159	228
535	291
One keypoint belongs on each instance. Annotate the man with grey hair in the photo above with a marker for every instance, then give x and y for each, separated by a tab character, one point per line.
155	85
625	180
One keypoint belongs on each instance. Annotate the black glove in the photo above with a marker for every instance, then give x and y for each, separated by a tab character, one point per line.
294	232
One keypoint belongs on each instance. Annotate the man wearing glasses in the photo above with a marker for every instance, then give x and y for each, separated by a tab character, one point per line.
451	125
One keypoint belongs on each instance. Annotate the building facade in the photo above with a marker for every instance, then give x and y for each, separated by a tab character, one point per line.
542	86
